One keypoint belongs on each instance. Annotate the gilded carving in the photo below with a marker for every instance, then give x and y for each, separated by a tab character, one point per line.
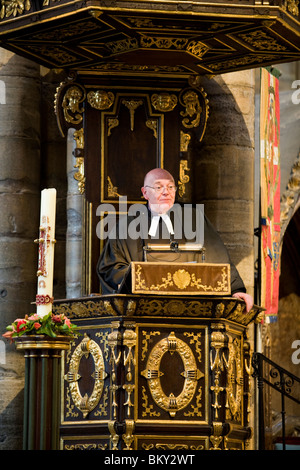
217	437
152	124
79	175
193	109
100	99
112	191
242	61
262	41
163	42
172	404
183	177
129	342
184	141
197	49
85	446
218	341
249	371
164	101
147	337
14	7
292	6
235	381
86	403
117	47
148	408
128	434
132	105
114	340
111	123
72	100
114	437
181	279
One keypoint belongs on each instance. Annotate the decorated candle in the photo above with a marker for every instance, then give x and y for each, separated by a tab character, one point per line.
46	241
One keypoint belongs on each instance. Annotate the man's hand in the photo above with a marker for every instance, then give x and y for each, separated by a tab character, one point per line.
247	298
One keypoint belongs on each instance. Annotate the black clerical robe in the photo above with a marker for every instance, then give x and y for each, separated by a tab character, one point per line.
118	253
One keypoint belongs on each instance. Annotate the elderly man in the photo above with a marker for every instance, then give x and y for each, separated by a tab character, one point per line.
159	190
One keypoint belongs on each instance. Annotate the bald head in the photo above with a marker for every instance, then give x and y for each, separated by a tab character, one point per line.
159	202
157	174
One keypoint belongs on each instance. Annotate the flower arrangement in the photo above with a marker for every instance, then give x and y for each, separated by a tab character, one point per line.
50	325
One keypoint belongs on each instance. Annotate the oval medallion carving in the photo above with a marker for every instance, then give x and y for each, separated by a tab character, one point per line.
87	402
191	374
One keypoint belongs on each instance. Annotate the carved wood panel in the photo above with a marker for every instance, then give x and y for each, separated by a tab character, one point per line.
123	130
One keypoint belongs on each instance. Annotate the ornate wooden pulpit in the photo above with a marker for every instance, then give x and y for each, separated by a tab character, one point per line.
157	371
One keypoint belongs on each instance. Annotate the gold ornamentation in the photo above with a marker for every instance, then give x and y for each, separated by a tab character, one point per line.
128	434
79	175
148	409
217	437
164	101
86	403
72	100
112	191
114	437
242	61
292	6
117	47
85	447
145	342
197	49
100	99
193	109
172	404
152	124
249	371
173	446
262	41
114	340
235	381
163	42
181	278
14	7
132	105
183	178
111	123
129	342
184	141
218	340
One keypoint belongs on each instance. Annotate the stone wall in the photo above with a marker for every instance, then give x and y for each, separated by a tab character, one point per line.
225	166
19	203
32	157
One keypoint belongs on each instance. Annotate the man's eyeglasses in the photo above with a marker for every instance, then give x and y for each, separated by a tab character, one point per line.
159	188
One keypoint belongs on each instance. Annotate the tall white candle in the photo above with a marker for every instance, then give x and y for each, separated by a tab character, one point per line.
46	241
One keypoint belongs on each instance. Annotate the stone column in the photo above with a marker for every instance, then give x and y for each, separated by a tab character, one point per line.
225	173
225	166
19	206
75	214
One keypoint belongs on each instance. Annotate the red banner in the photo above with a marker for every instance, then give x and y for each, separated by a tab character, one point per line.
270	193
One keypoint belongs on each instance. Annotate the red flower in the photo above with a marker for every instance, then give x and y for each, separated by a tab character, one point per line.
21	325
57	318
37	325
